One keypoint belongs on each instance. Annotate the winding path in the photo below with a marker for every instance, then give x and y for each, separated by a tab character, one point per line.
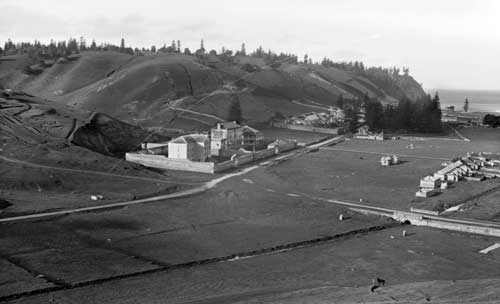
197	113
82	171
201	188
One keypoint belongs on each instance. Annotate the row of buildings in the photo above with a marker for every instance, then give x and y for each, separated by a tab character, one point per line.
472	167
462	118
334	117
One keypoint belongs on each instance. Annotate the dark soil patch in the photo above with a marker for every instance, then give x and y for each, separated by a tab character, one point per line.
4	204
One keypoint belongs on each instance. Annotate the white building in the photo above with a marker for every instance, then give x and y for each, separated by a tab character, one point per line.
225	135
389	160
426	192
195	147
430	182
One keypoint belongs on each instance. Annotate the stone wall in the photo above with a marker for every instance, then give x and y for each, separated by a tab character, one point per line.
163	162
146	158
429	221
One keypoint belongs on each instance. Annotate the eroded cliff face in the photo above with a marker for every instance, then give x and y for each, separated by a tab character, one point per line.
107	135
32	120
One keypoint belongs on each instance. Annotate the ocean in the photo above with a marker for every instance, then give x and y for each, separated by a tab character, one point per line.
479	101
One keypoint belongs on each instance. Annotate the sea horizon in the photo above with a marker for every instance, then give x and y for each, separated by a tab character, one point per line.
479	100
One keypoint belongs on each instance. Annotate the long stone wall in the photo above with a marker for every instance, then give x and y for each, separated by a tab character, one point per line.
422	220
333	131
163	162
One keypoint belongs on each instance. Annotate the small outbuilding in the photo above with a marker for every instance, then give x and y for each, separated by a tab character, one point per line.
194	147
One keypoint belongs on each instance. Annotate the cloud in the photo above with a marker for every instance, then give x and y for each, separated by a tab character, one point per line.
348	55
443	41
21	23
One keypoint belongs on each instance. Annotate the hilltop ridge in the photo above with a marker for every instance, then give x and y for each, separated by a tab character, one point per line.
146	88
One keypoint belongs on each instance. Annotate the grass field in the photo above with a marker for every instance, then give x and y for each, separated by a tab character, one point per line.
334	272
285	134
267	207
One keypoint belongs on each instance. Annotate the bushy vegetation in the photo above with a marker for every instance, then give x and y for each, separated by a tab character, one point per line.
491	120
386	78
54	50
57	49
235	111
390	80
424	115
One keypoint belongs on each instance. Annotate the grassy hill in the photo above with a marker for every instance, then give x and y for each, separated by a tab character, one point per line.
32	121
149	90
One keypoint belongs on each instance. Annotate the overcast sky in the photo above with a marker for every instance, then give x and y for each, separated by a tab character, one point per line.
446	43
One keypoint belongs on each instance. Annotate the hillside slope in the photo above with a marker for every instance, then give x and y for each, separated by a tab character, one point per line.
151	90
31	121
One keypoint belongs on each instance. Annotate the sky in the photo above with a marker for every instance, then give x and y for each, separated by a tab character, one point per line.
446	44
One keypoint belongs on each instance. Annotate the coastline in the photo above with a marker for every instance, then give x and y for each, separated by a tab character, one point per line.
480	101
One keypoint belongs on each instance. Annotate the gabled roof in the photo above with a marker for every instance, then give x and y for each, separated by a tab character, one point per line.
229	125
247	129
197	138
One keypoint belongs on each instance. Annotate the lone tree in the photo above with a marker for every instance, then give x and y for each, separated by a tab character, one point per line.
351	115
340	101
122	45
235	111
243	51
374	115
466	105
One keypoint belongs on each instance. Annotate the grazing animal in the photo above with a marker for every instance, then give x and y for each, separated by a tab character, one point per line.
377	283
380	282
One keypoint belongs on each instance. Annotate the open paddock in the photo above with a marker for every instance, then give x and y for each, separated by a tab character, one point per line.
286	134
334	272
356	177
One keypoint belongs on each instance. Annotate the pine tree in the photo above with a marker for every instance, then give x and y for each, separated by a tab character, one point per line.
466	105
390	117
122	45
178	46
404	115
423	114
374	115
82	45
351	115
435	112
243	51
72	46
340	101
235	111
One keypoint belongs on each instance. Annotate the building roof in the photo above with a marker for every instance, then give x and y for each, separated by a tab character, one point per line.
229	125
197	138
247	129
